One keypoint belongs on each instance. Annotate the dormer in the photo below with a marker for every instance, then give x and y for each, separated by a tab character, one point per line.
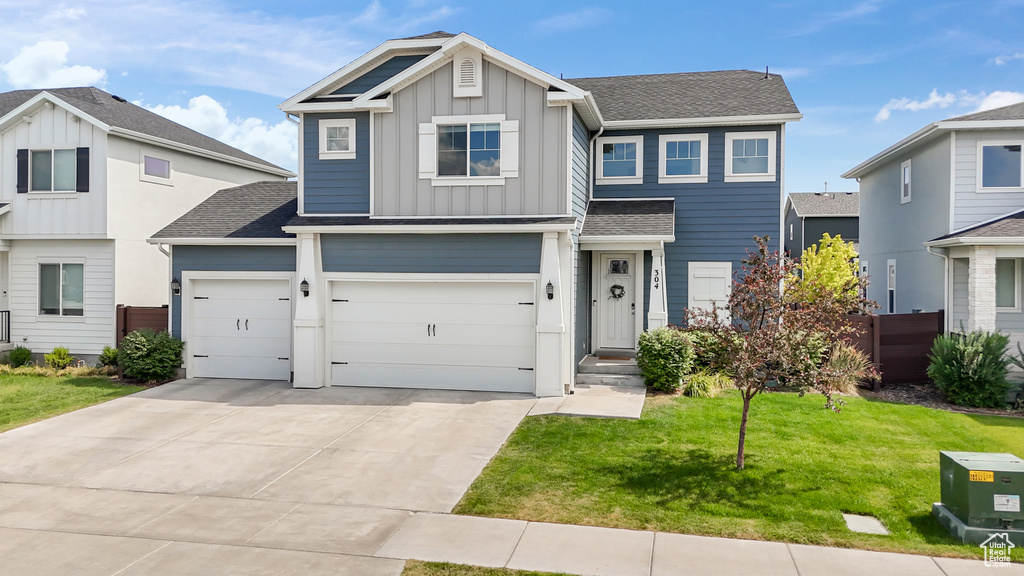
467	78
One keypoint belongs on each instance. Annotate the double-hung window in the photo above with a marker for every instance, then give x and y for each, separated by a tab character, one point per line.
620	160
750	157
62	289
337	139
53	170
682	158
472	149
1000	166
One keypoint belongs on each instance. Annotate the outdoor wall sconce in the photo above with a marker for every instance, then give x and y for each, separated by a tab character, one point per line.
304	288
176	287
551	291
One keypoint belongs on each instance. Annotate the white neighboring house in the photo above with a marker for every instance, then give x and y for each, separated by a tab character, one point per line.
85	178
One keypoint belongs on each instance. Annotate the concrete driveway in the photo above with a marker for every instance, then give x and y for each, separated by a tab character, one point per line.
240	477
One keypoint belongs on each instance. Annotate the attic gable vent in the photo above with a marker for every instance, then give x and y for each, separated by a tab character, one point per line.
467	72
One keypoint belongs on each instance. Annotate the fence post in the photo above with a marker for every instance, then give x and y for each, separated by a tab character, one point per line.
876	347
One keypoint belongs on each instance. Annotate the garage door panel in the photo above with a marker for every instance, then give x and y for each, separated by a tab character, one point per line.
427	292
216	347
235	327
451	313
436	355
254	368
454	377
241	289
446	334
232	309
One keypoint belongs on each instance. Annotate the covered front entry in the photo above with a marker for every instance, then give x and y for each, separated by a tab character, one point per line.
454	335
616	297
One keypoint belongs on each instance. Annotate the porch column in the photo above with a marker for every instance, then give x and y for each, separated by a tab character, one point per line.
981	289
657	311
308	325
550	320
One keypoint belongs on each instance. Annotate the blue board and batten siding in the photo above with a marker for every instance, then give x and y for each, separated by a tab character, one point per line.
335	186
432	253
379	74
225	259
580	199
715	221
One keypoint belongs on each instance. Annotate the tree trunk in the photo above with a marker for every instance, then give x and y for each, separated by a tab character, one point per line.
743	432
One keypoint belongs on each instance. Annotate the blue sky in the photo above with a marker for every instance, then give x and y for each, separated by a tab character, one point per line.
864	73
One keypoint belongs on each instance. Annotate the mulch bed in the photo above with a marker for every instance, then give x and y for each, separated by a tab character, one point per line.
928	395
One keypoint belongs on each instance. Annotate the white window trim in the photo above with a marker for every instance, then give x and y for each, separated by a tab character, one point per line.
509	150
905	199
890	285
155	179
664	178
73	191
59	317
349	154
1016	288
601	179
980	165
770	176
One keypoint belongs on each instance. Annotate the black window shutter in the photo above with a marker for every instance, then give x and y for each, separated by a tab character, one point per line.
22	171
82	181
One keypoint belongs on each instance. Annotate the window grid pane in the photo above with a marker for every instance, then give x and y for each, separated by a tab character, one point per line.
485	149
750	156
49	289
1001	166
682	158
619	160
1006	283
337	139
64	170
42	170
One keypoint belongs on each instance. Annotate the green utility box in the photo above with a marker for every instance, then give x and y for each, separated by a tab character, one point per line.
981	495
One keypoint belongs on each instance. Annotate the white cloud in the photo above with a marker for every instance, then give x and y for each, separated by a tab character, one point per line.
275	143
1006	58
64	11
44	65
934	100
821	21
999	99
569	21
963	99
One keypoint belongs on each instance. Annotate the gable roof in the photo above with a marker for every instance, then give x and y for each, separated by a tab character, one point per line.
129	119
246	212
440	34
811	204
620	219
690	95
1006	227
1011	112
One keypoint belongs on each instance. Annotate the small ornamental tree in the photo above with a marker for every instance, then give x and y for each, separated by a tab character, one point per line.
770	329
831	265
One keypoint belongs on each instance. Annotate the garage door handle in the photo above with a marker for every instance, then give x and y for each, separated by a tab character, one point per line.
435	329
237	324
428	329
247	324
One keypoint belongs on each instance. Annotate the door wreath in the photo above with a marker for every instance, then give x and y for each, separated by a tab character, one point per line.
618	291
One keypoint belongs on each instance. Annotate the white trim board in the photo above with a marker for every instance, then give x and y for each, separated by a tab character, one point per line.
430	229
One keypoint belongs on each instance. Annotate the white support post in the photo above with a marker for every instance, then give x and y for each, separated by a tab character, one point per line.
981	289
308	325
550	321
657	311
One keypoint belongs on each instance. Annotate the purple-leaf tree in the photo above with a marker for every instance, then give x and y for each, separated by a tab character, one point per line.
770	335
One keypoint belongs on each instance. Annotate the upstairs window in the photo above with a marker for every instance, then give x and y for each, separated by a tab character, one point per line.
154	169
682	158
61	289
905	177
471	149
750	157
338	139
1001	165
53	170
620	160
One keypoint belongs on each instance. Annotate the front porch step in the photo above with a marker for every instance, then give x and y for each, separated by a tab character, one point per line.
585	379
598	365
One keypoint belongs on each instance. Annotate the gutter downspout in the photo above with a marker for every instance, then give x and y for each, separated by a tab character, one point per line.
945	286
292	118
593	153
161	248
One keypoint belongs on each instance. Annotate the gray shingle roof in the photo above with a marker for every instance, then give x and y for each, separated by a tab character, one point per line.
438	35
689	95
630	218
455	222
256	210
1010	226
1011	112
828	204
105	108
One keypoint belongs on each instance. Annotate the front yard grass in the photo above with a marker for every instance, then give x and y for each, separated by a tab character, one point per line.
27	398
674	470
417	568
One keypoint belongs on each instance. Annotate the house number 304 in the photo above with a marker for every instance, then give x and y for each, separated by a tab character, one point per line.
657	278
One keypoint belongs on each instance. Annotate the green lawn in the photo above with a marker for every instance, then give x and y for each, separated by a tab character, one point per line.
674	470
417	568
28	398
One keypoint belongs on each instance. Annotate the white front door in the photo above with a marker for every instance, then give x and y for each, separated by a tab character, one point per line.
616	300
709	282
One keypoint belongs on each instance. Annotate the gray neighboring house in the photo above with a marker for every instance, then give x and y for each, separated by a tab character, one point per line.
809	215
463	220
942	221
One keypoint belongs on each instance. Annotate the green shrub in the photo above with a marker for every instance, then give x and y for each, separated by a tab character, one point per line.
971	368
708	352
59	359
664	357
706	383
108	357
148	355
847	366
20	356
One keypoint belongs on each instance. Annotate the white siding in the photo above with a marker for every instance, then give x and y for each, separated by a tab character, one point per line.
971	206
46	213
83	335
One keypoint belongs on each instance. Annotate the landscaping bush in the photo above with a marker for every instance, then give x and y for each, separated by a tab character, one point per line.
108	357
708	352
148	355
971	368
847	366
665	355
59	359
706	383
20	356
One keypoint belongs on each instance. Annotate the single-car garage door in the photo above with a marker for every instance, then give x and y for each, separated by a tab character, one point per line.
240	329
445	335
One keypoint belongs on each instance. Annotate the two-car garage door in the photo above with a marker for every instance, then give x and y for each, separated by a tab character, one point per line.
446	335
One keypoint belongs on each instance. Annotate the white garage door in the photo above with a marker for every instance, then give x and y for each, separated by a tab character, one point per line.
240	329
445	335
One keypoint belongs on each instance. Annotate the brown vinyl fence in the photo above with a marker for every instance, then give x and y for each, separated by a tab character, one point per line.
131	318
898	344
